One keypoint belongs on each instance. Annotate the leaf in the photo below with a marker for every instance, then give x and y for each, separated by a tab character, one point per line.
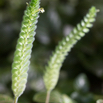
82	97
55	97
5	99
100	101
67	99
81	83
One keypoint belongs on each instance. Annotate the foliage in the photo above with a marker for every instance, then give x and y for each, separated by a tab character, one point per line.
100	101
55	97
5	99
58	20
81	92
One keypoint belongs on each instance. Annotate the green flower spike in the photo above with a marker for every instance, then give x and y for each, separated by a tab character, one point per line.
51	74
23	51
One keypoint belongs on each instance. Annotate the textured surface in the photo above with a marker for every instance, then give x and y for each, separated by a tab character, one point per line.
22	55
52	69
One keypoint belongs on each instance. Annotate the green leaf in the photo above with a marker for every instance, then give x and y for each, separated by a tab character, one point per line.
100	101
55	97
5	99
81	83
51	74
67	99
82	97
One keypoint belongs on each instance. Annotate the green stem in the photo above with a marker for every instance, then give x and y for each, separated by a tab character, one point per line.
16	100
48	97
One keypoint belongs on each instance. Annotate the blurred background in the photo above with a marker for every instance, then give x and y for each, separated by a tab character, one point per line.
81	75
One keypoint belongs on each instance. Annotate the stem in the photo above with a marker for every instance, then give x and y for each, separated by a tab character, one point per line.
16	100
48	97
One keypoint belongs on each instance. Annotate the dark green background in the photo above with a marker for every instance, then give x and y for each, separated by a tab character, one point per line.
58	20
